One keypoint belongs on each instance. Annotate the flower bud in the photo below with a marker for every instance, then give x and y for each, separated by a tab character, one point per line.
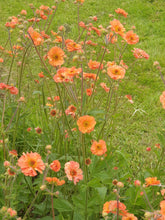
43	187
120	185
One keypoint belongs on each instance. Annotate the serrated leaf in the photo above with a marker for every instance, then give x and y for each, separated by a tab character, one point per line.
62	205
102	192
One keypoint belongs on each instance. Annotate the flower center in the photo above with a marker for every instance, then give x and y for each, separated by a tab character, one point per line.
86	123
73	173
32	163
55	57
98	147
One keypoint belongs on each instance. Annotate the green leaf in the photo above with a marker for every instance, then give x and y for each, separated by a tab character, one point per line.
36	93
102	192
62	205
94	183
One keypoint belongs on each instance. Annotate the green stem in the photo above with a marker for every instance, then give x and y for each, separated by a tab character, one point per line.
85	175
28	210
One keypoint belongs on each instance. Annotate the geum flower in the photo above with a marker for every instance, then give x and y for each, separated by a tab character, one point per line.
116	72
55	166
55	181
71	110
122	12
56	56
30	163
94	65
65	74
117	27
152	181
72	46
131	38
86	123
73	172
98	148
113	206
13	90
162	99
35	36
140	54
129	216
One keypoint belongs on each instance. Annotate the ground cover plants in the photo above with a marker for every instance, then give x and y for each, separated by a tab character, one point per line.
69	149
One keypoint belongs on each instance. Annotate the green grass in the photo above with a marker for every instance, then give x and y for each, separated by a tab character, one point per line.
139	129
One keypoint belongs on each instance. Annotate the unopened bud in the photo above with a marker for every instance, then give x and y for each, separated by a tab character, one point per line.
48	147
120	185
43	187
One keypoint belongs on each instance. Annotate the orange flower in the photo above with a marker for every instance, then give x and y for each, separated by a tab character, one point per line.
129	97
162	206
30	163
81	1
71	110
53	112
86	123
117	27
54	180
56	56
90	76
116	72
11	171
72	46
13	153
82	24
129	217
122	12
55	166
94	65
98	148
66	74
162	99
151	181
158	146
35	36
131	37
111	207
139	54
123	64
111	37
1	60
23	12
41	75
97	31
73	171
11	212
89	91
103	85
162	192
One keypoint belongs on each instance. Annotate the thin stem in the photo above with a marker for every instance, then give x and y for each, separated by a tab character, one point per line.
28	210
85	175
78	19
51	19
12	118
53	214
82	82
2	126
